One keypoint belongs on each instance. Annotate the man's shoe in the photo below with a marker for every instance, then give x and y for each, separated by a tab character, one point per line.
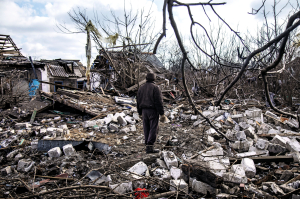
150	149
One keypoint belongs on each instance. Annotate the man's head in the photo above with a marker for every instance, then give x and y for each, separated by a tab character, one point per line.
150	77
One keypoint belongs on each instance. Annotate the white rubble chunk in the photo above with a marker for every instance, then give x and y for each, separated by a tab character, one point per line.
87	124
125	130
235	178
238	169
194	117
201	187
175	172
211	131
122	121
69	150
181	184
170	159
121	188
136	116
139	168
262	144
55	152
279	140
268	113
12	154
132	128
217	168
115	117
130	120
108	118
293	145
249	167
273	131
23	125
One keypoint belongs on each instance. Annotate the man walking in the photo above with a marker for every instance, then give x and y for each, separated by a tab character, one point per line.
150	105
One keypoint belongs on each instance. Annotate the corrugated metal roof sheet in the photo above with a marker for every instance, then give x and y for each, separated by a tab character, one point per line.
152	59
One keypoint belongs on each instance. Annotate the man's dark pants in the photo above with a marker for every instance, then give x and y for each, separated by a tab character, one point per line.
150	124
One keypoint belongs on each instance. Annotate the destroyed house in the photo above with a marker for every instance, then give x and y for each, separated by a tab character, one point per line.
127	69
61	72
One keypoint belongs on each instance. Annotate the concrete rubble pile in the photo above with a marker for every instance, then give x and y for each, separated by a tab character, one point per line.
261	160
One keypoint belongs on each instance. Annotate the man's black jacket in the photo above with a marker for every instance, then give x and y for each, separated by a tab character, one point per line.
149	97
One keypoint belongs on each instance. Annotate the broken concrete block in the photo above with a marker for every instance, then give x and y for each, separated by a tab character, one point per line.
235	178
69	150
296	157
170	159
130	120
108	118
242	146
262	144
272	115
122	121
201	187
161	163
136	116
273	187
286	175
175	172
139	168
293	145
121	188
250	132
18	157
240	135
244	125
7	170
132	128
276	148
249	167
125	130
238	169
54	152
181	184
216	168
104	129
113	127
211	131
23	164
279	140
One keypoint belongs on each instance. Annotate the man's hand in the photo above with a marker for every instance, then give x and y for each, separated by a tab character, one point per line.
163	119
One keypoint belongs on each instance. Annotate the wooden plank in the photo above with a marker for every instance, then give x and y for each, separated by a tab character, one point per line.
64	92
33	116
8	51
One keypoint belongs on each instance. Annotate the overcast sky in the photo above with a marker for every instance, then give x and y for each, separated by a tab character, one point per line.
32	24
